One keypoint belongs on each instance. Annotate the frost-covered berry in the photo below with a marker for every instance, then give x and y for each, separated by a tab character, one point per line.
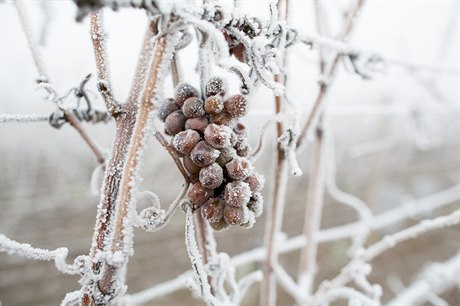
256	182
198	194
256	204
190	166
237	194
243	149
211	176
251	220
185	141
193	107
218	136
198	124
213	210
203	154
213	105
235	215
236	106
239	168
241	131
215	86
223	118
226	156
167	108
175	123
183	92
219	225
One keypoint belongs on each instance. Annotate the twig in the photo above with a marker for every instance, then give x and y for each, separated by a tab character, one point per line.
172	153
32	43
21	118
99	45
312	219
389	218
435	279
329	74
275	211
259	148
59	255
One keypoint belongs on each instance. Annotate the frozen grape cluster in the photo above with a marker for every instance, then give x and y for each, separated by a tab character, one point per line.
214	148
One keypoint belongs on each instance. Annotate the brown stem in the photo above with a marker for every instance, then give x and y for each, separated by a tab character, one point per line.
104	84
86	137
175	70
122	241
173	154
348	27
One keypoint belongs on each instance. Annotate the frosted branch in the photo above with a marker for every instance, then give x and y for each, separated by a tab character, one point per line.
435	279
59	255
390	241
20	118
99	45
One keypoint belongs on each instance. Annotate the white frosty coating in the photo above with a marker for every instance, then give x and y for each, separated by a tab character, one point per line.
72	298
256	204
237	194
20	118
201	277
59	255
391	217
218	136
435	279
95	182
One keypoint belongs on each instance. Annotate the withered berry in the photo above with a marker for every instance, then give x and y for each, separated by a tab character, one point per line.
198	124
213	210
183	92
190	165
167	108
193	107
239	168
175	123
213	105
198	194
203	154
211	176
226	155
214	87
236	106
235	215
218	136
223	118
219	225
237	194
256	182
185	141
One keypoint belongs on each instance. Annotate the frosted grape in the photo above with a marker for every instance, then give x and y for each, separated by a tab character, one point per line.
218	136
193	107
239	168
183	92
213	210
198	194
167	108
175	123
214	105
198	124
215	87
185	141
236	106
237	194
211	176
203	154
